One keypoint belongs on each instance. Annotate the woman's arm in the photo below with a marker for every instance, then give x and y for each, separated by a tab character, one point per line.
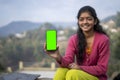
69	54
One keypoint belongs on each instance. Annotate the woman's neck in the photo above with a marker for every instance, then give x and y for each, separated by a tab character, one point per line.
89	34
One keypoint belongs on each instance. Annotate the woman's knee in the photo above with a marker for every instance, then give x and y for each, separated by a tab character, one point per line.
73	72
60	74
62	70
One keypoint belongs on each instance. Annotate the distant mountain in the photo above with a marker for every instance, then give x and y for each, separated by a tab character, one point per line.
21	26
17	27
113	17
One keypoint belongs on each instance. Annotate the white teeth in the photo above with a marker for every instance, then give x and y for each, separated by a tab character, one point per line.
85	26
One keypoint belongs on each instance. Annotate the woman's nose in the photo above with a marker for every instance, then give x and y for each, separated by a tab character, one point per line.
85	21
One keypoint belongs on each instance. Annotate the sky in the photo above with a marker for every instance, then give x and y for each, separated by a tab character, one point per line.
52	10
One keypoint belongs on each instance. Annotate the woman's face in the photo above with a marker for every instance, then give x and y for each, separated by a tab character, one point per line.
86	22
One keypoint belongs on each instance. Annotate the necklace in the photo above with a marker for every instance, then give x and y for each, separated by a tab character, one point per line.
88	50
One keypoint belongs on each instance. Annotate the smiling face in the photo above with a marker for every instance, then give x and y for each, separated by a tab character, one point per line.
86	22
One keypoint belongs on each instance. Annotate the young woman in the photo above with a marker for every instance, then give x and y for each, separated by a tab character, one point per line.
90	46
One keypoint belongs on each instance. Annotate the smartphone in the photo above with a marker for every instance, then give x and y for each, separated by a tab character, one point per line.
51	40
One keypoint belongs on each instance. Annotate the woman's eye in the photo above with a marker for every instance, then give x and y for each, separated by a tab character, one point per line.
90	19
81	19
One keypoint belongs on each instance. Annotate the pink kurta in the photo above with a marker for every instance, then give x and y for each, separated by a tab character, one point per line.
97	63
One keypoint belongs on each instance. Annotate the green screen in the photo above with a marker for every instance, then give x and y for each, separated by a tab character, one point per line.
51	39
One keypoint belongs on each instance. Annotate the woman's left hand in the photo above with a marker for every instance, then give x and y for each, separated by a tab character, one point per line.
74	66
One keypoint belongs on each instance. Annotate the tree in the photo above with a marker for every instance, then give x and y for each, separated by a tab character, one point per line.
117	47
1	68
118	19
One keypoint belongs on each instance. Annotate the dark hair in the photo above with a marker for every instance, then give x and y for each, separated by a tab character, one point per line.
117	77
81	38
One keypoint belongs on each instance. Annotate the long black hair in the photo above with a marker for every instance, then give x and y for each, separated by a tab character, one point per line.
81	38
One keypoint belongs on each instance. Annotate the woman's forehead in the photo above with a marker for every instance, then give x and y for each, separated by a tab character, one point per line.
85	14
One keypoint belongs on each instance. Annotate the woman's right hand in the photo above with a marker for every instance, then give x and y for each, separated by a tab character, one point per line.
54	54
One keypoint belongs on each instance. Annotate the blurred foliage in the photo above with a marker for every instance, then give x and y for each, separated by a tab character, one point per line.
114	62
116	48
29	48
115	45
118	19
